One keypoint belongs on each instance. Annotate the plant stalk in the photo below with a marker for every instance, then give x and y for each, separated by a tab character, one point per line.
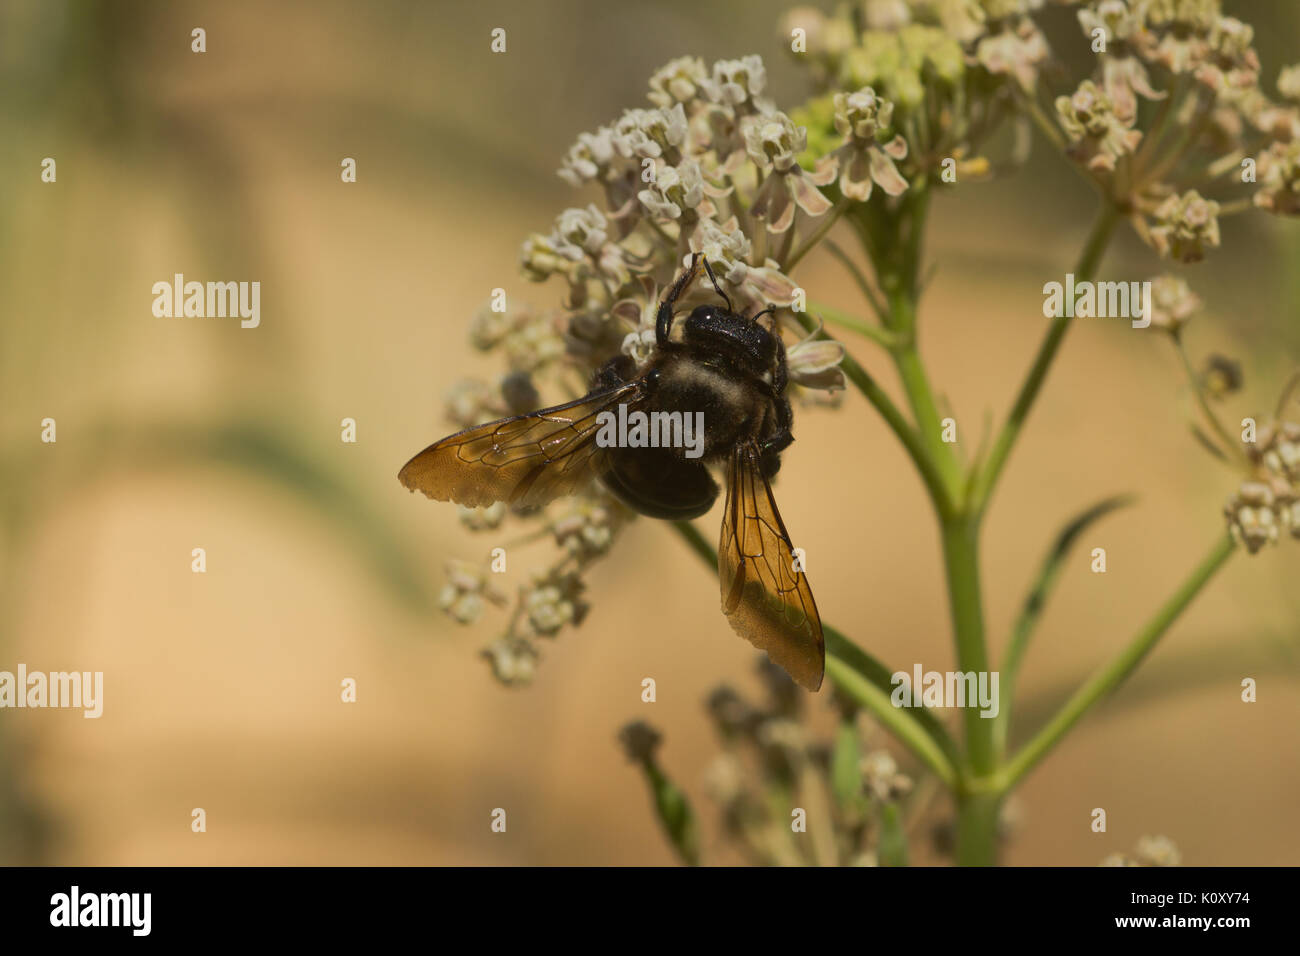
977	829
1114	673
961	562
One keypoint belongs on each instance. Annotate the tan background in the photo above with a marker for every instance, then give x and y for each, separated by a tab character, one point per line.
222	689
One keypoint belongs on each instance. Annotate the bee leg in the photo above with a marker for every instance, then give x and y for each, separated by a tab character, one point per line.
777	442
617	371
664	318
716	288
781	374
770	449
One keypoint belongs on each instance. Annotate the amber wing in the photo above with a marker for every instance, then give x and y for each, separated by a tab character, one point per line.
527	460
766	600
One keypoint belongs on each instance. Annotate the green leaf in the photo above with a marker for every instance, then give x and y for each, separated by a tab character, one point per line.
893	841
846	777
1032	610
674	812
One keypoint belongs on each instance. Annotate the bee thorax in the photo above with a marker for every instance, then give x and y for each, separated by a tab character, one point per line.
733	411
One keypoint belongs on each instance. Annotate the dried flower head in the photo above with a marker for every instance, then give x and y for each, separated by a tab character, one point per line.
1017	48
1158	851
639	740
1099	134
1267	504
882	778
1186	225
1251	517
1178	32
1279	169
513	661
1150	851
1172	303
1221	376
482	519
463	594
1288	82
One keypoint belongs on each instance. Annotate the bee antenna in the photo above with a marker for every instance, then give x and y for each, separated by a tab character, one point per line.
770	310
717	288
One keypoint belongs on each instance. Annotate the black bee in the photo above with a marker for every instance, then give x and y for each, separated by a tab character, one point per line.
732	369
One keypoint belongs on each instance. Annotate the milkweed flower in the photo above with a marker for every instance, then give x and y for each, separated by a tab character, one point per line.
815	363
861	118
1124	76
773	143
1173	303
1279	169
1099	134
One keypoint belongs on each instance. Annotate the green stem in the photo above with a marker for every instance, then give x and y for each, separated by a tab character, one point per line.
926	742
1160	123
1114	673
845	321
899	278
920	396
977	810
1188	139
1236	207
961	562
986	481
1230	445
977	829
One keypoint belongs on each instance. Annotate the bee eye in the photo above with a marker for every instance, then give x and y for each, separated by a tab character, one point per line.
652	378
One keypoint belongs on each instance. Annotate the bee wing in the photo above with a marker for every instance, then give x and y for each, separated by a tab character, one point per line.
766	600
526	460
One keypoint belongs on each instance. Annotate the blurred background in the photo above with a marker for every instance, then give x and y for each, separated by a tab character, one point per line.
222	689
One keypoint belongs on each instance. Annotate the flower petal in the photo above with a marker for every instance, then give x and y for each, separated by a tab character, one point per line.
810	199
886	174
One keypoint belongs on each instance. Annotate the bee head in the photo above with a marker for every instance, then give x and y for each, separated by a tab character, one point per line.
743	342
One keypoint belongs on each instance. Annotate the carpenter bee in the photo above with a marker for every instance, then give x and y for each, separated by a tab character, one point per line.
730	368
